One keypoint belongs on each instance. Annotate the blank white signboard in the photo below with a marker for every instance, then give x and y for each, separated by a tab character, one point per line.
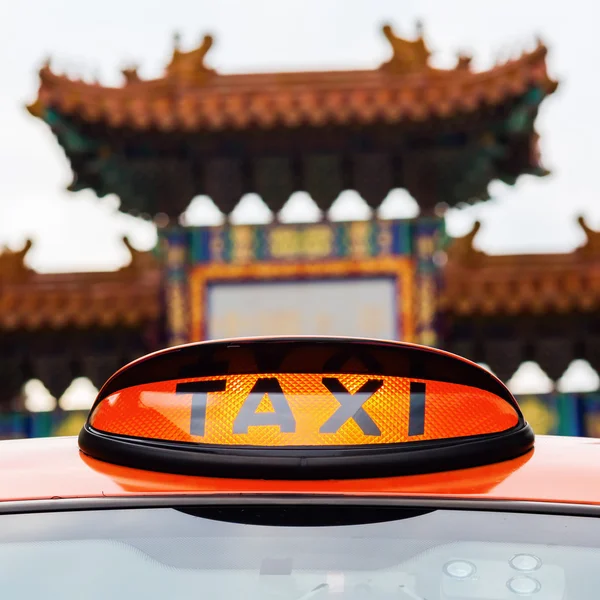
352	307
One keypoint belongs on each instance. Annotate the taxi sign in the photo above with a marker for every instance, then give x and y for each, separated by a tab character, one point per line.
304	408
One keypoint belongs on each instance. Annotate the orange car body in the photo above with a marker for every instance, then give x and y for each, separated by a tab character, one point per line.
558	470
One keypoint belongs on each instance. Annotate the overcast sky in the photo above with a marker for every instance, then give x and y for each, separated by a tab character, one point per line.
78	231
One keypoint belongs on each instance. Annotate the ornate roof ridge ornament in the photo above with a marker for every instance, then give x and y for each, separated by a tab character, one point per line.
591	247
462	250
141	261
131	74
189	67
408	56
463	61
12	263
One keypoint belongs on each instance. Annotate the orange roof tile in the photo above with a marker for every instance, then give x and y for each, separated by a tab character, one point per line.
29	300
477	283
193	97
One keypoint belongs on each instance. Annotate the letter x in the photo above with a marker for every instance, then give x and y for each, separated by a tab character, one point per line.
351	406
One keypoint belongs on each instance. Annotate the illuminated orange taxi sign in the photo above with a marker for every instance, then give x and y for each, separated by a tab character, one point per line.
289	409
318	421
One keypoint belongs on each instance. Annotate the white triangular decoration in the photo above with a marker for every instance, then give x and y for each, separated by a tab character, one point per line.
251	210
579	378
398	204
37	398
80	395
350	206
300	208
202	211
530	379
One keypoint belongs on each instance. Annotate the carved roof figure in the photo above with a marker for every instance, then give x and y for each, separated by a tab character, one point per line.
407	56
591	246
462	251
12	263
140	261
189	66
463	62
131	75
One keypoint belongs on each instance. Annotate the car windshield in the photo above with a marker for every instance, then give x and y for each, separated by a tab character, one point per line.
296	553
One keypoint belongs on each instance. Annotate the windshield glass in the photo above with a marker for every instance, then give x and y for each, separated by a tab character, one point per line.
295	553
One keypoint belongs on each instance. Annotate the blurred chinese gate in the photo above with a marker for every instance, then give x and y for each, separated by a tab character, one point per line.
441	134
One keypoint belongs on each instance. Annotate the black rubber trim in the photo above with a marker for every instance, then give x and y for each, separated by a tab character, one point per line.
307	463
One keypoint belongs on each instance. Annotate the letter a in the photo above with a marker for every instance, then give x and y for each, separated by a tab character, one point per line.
281	417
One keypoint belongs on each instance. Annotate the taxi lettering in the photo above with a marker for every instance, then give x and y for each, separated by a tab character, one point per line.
199	391
351	406
416	414
281	415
